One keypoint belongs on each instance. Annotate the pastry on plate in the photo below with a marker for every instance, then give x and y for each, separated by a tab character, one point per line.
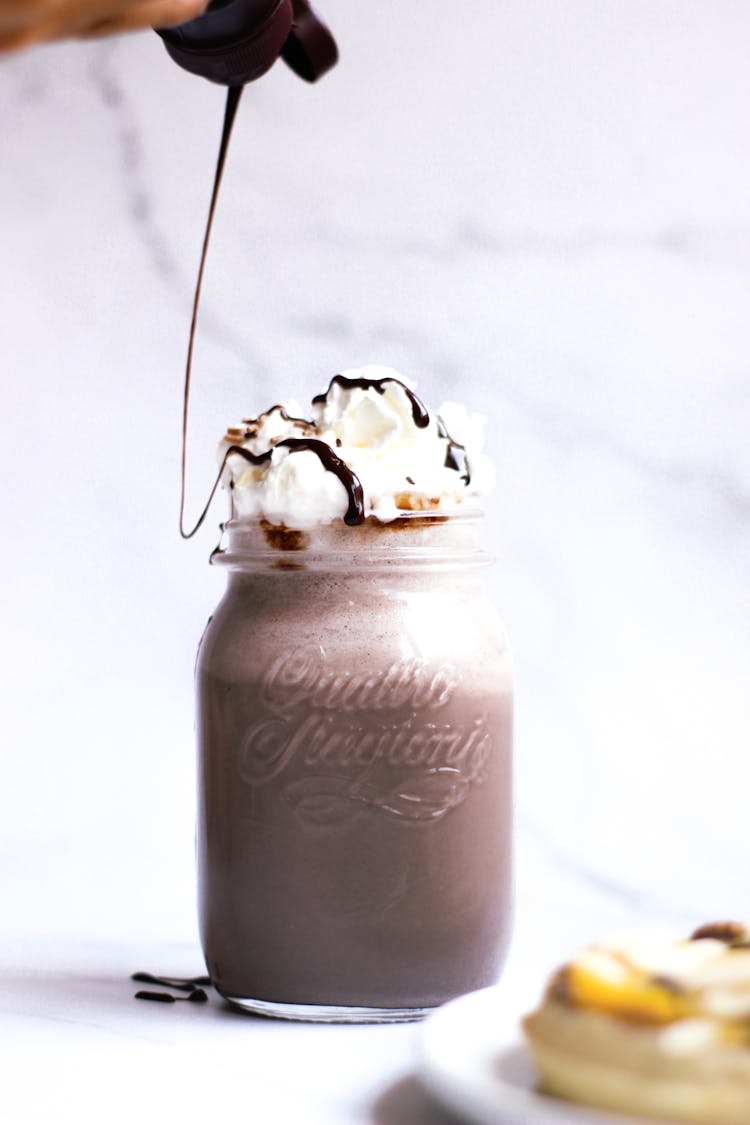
651	1026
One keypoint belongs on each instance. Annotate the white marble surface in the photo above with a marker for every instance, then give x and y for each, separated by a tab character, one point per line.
541	208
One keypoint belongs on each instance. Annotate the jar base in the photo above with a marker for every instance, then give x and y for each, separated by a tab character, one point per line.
327	1013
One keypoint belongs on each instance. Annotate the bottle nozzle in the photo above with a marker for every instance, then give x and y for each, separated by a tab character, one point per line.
237	41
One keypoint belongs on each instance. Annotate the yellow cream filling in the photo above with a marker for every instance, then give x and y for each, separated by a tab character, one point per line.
627	994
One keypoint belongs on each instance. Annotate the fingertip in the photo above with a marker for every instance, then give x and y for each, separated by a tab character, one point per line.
174	12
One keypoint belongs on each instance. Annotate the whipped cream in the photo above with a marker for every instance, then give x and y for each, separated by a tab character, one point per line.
369	448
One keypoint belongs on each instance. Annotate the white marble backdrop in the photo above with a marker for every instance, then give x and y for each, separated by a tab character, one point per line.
541	208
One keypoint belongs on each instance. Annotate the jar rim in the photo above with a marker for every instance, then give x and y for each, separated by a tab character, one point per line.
415	539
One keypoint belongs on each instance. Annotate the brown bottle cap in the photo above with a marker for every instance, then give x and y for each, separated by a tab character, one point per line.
310	50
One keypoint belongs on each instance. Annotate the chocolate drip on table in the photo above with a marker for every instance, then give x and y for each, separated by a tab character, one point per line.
183	984
191	985
197	996
419	411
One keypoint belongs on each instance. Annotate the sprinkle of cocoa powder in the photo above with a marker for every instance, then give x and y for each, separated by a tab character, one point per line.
731	933
416	502
668	984
282	538
558	987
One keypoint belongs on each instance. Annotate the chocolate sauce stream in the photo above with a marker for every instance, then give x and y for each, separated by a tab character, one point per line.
419	411
233	100
455	457
355	512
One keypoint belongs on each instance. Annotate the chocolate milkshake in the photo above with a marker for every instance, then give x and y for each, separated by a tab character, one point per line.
354	723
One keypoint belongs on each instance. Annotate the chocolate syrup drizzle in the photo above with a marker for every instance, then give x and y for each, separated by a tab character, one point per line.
197	996
455	454
455	457
332	463
234	93
182	984
284	414
191	985
419	411
355	512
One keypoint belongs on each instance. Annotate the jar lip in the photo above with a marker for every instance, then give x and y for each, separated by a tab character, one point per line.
434	539
463	514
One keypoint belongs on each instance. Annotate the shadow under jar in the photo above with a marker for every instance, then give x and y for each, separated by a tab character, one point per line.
355	729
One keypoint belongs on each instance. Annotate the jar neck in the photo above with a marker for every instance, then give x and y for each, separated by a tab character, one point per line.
416	540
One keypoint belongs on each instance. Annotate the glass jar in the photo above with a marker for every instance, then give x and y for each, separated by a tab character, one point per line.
354	729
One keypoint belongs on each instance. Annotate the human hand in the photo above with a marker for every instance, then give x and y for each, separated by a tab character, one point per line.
24	22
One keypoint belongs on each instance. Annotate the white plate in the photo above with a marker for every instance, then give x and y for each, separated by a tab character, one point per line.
474	1062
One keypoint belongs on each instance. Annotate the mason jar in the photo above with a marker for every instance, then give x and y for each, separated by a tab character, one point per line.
354	732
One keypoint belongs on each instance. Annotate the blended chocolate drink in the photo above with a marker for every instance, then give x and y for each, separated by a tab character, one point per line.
355	715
